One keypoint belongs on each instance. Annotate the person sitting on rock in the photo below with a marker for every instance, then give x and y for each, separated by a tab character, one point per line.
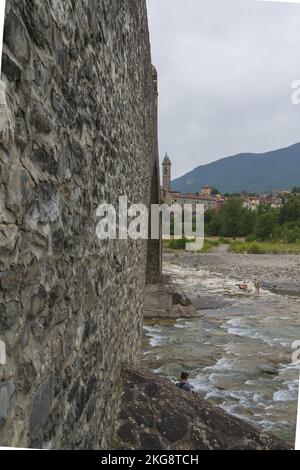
243	286
184	384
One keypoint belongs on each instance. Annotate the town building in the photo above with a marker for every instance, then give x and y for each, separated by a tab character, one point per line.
207	191
254	202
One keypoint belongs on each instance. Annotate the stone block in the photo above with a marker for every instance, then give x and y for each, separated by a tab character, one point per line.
16	37
41	405
6	392
9	235
49	203
10	68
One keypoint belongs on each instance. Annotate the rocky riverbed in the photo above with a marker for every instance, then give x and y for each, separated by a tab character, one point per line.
278	273
239	349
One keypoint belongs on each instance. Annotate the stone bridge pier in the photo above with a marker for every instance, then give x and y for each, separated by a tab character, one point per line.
78	128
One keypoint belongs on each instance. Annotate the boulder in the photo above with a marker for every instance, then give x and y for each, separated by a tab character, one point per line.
167	301
155	415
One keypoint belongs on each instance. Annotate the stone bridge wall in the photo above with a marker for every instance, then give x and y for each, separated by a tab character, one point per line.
78	128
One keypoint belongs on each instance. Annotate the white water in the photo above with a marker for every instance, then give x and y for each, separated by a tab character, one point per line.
239	355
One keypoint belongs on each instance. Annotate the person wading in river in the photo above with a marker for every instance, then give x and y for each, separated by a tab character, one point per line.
257	286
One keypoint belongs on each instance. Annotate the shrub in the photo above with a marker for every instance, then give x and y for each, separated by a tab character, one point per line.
238	247
254	249
178	244
251	238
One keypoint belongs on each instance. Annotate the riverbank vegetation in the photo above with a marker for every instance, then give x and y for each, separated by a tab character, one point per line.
238	246
263	231
266	224
260	248
179	244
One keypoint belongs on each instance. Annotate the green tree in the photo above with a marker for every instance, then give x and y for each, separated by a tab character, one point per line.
247	222
290	211
231	214
265	224
213	222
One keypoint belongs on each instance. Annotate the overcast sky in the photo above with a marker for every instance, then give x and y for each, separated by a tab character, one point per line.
225	69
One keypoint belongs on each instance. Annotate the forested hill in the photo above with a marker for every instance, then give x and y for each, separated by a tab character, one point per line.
279	169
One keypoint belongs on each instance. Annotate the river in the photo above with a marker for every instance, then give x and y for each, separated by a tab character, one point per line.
238	352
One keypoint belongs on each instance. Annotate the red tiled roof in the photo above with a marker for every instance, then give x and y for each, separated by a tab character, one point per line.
195	197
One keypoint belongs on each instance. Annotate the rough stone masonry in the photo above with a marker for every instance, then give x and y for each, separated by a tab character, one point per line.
78	126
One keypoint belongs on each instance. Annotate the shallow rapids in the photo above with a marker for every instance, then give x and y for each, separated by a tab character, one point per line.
238	352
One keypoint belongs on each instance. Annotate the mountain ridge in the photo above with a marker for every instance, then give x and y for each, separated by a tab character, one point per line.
252	172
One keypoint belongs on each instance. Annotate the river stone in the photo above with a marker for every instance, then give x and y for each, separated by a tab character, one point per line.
167	301
268	369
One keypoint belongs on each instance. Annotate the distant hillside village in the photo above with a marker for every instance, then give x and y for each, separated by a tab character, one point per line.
212	199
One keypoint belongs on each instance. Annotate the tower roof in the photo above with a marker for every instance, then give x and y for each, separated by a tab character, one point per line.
167	160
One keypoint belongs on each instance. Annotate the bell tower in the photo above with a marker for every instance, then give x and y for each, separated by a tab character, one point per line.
166	174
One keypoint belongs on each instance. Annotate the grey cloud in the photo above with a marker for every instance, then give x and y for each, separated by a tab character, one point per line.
225	72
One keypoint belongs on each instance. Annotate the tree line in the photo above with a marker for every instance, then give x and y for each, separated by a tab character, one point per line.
264	224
